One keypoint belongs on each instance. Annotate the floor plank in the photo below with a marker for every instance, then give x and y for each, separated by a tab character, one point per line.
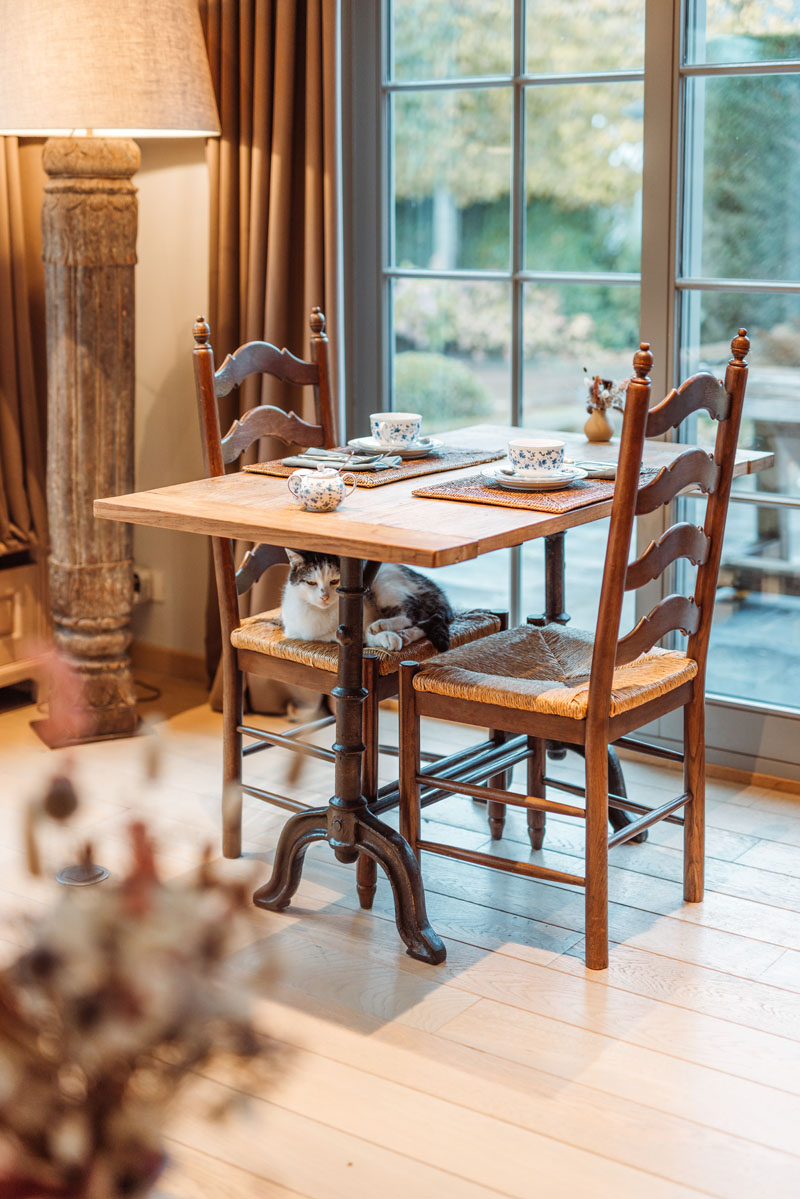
674	1073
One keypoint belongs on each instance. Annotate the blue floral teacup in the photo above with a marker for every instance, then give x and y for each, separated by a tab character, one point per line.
536	455
395	430
320	490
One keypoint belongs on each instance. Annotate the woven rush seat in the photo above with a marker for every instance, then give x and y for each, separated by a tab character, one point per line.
547	670
263	634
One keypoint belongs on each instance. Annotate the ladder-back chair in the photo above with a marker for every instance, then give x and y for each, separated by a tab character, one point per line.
595	689
256	644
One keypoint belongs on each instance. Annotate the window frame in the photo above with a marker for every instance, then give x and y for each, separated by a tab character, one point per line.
367	278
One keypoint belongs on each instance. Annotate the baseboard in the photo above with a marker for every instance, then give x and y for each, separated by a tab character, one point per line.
727	774
173	662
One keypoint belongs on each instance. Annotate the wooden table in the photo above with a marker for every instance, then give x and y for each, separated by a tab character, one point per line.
374	525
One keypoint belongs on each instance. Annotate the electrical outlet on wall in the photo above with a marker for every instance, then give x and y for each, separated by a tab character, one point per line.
148	585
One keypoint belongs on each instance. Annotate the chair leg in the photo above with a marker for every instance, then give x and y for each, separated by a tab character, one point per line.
408	759
596	852
535	786
232	688
367	867
497	811
694	775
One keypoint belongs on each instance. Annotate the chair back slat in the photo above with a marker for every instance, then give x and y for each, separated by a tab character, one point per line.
267	421
254	563
674	612
701	391
694	466
259	357
701	546
717	506
683	540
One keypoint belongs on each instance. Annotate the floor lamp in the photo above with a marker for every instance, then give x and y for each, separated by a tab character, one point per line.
91	76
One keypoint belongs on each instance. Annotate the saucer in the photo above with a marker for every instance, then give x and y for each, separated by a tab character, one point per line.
551	481
418	450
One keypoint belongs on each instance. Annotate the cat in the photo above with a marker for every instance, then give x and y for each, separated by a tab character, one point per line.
400	607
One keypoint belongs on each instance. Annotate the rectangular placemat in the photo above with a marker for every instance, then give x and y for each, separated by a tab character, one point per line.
445	458
475	490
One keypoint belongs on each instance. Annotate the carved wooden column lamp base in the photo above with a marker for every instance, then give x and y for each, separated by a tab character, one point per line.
138	71
89	250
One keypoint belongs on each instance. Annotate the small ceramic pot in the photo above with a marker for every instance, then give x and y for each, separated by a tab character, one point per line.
536	455
395	429
598	427
320	490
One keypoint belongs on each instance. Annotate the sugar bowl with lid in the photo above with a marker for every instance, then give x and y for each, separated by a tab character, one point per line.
321	489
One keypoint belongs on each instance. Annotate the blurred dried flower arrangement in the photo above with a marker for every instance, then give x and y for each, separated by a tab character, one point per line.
604	393
601	395
118	1001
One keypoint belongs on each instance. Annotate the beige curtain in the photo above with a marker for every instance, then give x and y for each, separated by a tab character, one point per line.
23	516
273	210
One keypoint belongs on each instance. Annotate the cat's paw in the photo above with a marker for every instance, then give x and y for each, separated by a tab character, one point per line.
384	639
380	626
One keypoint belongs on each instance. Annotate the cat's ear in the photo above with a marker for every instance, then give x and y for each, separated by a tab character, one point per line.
295	559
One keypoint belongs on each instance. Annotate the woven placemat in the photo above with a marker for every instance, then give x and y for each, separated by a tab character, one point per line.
446	458
475	490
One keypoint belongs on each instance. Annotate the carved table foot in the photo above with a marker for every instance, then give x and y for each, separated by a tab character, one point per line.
298	833
396	857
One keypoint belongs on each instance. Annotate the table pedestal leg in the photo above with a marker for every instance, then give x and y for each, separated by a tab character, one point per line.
347	824
553	583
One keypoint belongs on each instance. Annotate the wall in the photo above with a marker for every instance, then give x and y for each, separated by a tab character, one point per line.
171	290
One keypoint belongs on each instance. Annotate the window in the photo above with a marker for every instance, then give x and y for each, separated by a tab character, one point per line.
535	182
740	263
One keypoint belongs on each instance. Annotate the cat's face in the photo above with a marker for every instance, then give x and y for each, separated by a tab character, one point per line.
316	576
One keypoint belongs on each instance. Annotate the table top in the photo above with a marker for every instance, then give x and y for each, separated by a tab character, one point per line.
384	524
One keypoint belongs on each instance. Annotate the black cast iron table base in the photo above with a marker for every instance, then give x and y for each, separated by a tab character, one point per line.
346	823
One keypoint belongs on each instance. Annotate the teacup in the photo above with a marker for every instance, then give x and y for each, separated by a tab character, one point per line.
536	455
395	429
320	490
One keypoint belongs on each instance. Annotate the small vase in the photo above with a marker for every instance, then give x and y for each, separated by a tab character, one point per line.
597	427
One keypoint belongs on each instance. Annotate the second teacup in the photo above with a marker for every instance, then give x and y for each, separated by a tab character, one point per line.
536	455
395	429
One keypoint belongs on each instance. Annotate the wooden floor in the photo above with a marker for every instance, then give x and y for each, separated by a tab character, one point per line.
510	1070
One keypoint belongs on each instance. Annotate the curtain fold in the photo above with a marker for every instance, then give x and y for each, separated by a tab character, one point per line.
273	211
23	512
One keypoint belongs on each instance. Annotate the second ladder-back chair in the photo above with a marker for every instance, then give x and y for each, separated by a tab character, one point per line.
595	689
256	644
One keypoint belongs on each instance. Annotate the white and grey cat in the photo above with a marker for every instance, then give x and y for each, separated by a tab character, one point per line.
400	607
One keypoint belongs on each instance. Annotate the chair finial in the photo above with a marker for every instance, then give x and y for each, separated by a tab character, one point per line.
200	331
317	321
740	346
643	360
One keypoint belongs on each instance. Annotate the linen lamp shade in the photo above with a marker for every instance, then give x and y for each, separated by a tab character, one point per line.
121	68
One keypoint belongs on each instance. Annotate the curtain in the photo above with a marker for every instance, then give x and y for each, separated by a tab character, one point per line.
23	514
273	208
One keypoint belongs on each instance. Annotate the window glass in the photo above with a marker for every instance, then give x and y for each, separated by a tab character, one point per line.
758	598
452	349
742	177
450	40
735	31
452	178
583	210
568	331
584	556
478	583
584	35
